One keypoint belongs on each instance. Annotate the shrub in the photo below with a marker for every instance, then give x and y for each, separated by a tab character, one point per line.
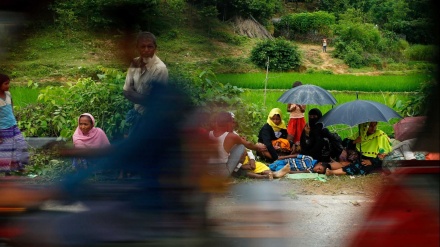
417	104
204	89
421	53
250	118
58	107
98	14
354	59
282	55
303	23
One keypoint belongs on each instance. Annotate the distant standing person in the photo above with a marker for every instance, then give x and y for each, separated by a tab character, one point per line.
324	45
143	70
296	122
13	148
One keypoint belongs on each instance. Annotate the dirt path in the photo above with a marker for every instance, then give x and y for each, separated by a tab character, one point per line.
314	58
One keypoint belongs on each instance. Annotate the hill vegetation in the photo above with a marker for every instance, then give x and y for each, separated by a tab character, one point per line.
72	42
69	40
77	52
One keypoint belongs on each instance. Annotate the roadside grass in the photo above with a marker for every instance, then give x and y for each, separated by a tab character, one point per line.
342	185
52	56
368	186
389	83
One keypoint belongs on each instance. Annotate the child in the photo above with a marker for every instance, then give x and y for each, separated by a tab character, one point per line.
255	169
299	164
13	148
296	122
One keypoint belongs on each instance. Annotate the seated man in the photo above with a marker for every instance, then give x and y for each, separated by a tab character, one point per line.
299	163
225	138
254	169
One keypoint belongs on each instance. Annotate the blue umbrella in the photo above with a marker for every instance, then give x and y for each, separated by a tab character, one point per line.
307	95
358	111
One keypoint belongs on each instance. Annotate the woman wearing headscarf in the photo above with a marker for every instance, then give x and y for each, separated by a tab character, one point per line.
373	144
273	134
312	138
87	135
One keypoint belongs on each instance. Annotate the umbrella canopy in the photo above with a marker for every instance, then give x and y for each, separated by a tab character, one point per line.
358	111
234	157
307	95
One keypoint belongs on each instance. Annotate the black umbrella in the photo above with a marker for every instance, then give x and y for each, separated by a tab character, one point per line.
307	95
356	112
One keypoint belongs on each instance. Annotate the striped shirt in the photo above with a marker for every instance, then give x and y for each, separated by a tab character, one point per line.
300	163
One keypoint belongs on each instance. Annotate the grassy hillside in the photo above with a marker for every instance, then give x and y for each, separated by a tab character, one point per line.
54	55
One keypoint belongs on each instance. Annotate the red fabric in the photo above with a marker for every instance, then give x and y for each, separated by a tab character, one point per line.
295	128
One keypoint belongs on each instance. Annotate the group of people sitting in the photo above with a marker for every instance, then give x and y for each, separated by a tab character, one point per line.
281	149
314	149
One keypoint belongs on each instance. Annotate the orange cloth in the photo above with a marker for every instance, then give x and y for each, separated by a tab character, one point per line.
432	156
282	143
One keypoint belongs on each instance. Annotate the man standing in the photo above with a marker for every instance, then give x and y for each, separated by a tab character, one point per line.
143	71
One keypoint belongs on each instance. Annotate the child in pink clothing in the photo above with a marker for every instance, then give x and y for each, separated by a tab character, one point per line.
296	122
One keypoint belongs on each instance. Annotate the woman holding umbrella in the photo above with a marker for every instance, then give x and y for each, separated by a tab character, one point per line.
373	144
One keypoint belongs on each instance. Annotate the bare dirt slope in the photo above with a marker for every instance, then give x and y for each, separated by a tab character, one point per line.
315	58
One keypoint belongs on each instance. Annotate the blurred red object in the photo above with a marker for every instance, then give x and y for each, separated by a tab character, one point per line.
409	127
406	212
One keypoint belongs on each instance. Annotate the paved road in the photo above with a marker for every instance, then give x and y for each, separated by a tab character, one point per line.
271	219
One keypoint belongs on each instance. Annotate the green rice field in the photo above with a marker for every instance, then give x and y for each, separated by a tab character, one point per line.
23	96
362	83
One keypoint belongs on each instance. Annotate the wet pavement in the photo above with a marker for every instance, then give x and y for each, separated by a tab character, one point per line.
272	218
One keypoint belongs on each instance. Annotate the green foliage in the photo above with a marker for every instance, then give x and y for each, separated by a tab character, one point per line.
228	38
97	14
304	23
47	164
421	52
250	118
281	55
203	88
417	104
58	108
362	44
261	10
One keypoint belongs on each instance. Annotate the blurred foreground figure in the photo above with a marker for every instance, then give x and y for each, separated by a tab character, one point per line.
407	211
163	206
257	217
